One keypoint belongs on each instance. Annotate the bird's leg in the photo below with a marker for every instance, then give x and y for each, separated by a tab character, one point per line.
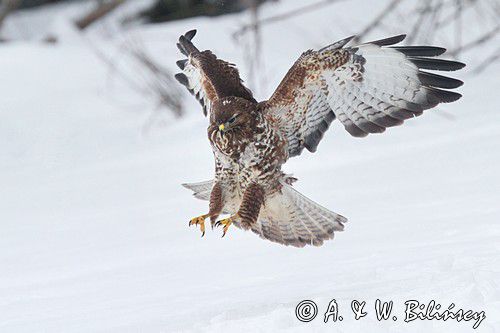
249	210
199	220
226	223
215	203
215	209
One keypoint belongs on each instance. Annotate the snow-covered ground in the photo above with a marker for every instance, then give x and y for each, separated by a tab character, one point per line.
93	220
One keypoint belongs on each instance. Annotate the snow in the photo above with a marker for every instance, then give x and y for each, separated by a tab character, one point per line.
94	222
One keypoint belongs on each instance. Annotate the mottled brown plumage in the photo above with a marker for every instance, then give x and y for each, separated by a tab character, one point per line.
368	87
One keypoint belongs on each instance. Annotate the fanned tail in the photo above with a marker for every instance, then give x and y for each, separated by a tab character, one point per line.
290	218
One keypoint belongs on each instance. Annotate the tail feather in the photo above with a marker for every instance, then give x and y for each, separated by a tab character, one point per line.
315	210
201	189
290	218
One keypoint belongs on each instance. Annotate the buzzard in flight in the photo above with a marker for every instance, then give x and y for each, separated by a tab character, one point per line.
367	87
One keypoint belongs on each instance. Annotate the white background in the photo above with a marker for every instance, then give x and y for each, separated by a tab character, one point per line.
93	220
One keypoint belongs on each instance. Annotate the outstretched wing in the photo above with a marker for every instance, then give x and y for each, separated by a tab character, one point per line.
368	87
206	77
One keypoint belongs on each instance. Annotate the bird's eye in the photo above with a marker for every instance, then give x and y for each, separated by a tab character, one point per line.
233	118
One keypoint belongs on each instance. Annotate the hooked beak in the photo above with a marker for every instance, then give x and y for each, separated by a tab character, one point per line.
222	127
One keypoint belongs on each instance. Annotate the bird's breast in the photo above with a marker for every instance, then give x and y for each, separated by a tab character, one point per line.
228	143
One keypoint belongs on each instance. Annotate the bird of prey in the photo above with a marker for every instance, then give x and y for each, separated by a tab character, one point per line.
367	87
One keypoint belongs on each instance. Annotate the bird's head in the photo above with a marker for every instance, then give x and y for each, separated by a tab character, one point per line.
232	114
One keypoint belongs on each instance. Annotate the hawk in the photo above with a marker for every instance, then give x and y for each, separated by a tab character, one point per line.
367	87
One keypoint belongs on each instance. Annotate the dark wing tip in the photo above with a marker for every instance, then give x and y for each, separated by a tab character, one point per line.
338	44
181	48
181	63
442	96
454	97
420	51
182	78
187	45
190	34
439	81
388	41
436	64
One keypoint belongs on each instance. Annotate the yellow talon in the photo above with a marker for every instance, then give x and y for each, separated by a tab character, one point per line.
200	220
226	223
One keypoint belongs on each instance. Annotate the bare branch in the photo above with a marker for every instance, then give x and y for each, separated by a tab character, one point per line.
458	22
419	22
487	62
103	9
284	16
154	80
432	22
476	42
160	82
377	20
7	6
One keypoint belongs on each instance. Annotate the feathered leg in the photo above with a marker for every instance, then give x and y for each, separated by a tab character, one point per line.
249	210
215	203
215	209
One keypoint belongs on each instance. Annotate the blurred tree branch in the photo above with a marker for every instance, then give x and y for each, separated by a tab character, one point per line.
377	20
487	62
6	7
102	9
160	81
284	16
476	42
157	82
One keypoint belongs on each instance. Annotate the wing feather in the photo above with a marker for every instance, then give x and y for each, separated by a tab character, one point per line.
368	87
206	77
